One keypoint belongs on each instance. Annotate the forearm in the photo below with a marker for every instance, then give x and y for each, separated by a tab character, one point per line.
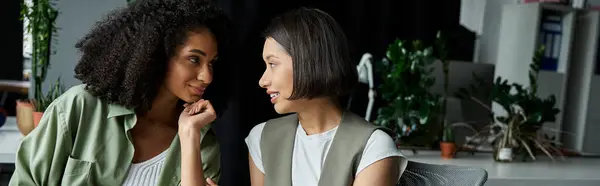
191	159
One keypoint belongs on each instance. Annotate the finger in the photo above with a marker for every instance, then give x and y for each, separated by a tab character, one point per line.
209	107
211	182
199	107
186	109
194	107
186	104
203	106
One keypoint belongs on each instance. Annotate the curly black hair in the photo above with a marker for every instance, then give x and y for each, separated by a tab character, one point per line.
124	56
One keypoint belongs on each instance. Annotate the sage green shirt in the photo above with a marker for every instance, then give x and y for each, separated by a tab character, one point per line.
82	140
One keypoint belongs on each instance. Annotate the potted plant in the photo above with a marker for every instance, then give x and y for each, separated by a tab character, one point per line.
519	132
411	112
41	17
447	145
42	103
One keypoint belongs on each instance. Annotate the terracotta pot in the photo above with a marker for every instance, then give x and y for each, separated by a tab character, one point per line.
25	116
37	116
447	149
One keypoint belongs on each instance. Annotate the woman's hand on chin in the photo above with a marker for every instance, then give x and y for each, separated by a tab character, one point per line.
195	116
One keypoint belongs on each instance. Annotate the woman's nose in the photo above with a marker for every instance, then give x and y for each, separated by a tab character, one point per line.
264	80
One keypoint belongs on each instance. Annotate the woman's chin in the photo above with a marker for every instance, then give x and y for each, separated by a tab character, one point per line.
281	109
191	99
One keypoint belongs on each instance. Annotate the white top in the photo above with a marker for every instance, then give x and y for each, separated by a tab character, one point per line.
310	151
145	173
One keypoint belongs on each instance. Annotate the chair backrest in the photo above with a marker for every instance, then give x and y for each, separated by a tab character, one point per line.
422	174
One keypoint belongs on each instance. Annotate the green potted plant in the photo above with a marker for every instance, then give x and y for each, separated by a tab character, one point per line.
519	132
41	17
411	112
447	144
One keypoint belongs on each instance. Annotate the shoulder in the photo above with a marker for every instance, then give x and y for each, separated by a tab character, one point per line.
381	138
253	138
77	97
379	146
253	144
282	119
76	105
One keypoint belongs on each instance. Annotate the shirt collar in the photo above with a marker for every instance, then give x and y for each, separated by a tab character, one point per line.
115	110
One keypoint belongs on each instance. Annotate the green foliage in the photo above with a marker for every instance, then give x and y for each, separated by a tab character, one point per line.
41	15
55	91
406	80
440	43
526	111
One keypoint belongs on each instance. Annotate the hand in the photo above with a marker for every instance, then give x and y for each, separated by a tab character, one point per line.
209	182
196	116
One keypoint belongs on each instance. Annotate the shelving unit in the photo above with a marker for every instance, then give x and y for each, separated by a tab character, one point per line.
582	109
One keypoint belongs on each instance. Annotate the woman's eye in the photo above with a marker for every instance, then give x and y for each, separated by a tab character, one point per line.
194	59
272	65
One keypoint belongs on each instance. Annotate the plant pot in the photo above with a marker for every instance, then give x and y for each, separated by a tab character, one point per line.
25	116
37	116
447	149
504	155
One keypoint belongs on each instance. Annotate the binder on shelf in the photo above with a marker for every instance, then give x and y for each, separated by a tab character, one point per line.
550	37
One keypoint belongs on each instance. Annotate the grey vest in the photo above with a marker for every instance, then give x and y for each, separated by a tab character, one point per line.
277	144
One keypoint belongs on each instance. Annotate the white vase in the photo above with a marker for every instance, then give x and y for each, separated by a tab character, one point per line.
505	154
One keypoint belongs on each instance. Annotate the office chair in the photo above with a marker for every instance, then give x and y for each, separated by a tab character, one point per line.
422	174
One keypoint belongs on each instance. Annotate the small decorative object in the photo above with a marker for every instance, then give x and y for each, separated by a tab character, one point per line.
519	130
365	75
412	110
25	116
504	154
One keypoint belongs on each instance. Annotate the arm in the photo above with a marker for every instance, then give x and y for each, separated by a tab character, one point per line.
191	122
381	173
191	159
256	176
43	153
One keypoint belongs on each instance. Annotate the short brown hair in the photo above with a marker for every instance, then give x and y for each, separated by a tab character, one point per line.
320	56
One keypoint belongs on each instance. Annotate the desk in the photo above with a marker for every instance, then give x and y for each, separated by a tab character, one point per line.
10	138
576	171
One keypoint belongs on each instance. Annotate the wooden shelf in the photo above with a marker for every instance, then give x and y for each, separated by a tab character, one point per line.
21	87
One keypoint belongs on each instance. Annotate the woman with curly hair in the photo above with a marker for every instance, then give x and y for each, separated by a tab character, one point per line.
127	124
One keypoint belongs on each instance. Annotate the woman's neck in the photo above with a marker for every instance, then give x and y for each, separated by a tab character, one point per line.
164	108
319	115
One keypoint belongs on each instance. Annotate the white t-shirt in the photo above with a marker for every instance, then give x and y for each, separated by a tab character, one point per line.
310	151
